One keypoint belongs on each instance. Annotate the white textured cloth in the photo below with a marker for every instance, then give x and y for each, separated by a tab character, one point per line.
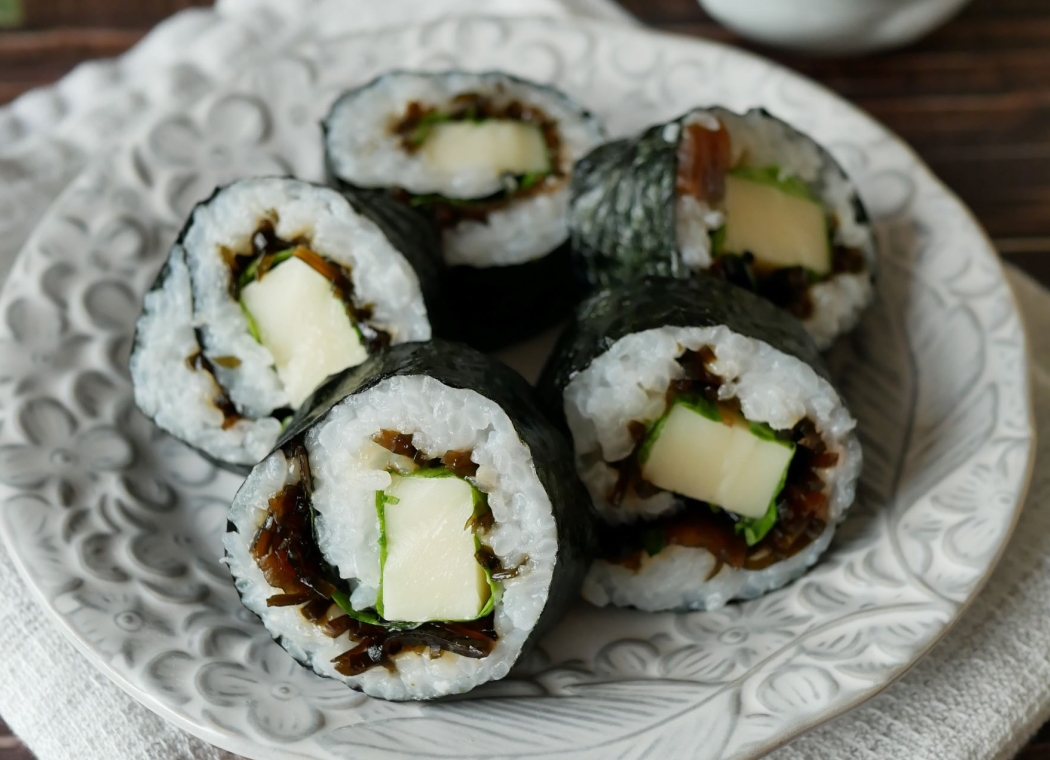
979	694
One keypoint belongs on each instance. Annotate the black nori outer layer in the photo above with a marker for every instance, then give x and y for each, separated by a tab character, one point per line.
414	237
490	307
654	302
413	243
623	207
459	366
500	306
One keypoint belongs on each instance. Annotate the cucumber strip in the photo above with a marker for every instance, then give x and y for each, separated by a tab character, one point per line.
480	506
252	327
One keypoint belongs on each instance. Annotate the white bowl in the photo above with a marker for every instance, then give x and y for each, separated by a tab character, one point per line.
839	27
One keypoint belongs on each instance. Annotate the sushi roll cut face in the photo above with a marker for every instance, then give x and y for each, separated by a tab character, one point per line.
761	205
719	463
404	544
488	156
747	198
273	286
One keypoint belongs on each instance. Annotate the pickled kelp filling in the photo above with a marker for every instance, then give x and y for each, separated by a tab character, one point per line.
434	559
749	494
769	229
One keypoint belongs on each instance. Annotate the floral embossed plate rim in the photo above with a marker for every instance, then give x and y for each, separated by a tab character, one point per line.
116	528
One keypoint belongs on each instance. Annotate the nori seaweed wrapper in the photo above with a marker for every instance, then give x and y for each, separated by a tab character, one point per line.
500	306
488	308
412	235
459	366
622	209
654	302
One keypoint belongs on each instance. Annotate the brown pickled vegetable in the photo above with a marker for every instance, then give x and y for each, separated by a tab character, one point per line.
849	260
376	645
703	162
488	560
458	463
199	362
802	507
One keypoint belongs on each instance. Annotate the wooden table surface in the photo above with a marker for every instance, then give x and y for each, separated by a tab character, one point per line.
973	99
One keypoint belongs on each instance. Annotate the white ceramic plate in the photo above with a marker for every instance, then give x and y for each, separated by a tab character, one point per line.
117	529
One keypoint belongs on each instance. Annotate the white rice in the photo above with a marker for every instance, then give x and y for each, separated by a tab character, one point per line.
363	151
759	140
629	383
196	295
346	479
669	580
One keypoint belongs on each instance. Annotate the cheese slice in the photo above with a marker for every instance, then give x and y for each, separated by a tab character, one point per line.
722	463
502	146
430	572
777	228
304	324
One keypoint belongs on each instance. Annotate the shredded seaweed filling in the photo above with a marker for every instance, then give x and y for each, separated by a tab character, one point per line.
200	363
415	124
801	507
704	160
286	551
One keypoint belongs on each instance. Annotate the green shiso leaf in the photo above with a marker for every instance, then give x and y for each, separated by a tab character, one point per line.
495	587
755	529
530	179
653	541
718	241
426	124
252	327
699	404
481	507
249	273
367	616
429	472
766	433
788	184
652	432
381	501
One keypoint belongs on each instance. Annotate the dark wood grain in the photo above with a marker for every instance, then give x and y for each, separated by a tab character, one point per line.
973	99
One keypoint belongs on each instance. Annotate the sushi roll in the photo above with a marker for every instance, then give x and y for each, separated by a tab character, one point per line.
272	286
486	158
746	198
418	527
715	449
